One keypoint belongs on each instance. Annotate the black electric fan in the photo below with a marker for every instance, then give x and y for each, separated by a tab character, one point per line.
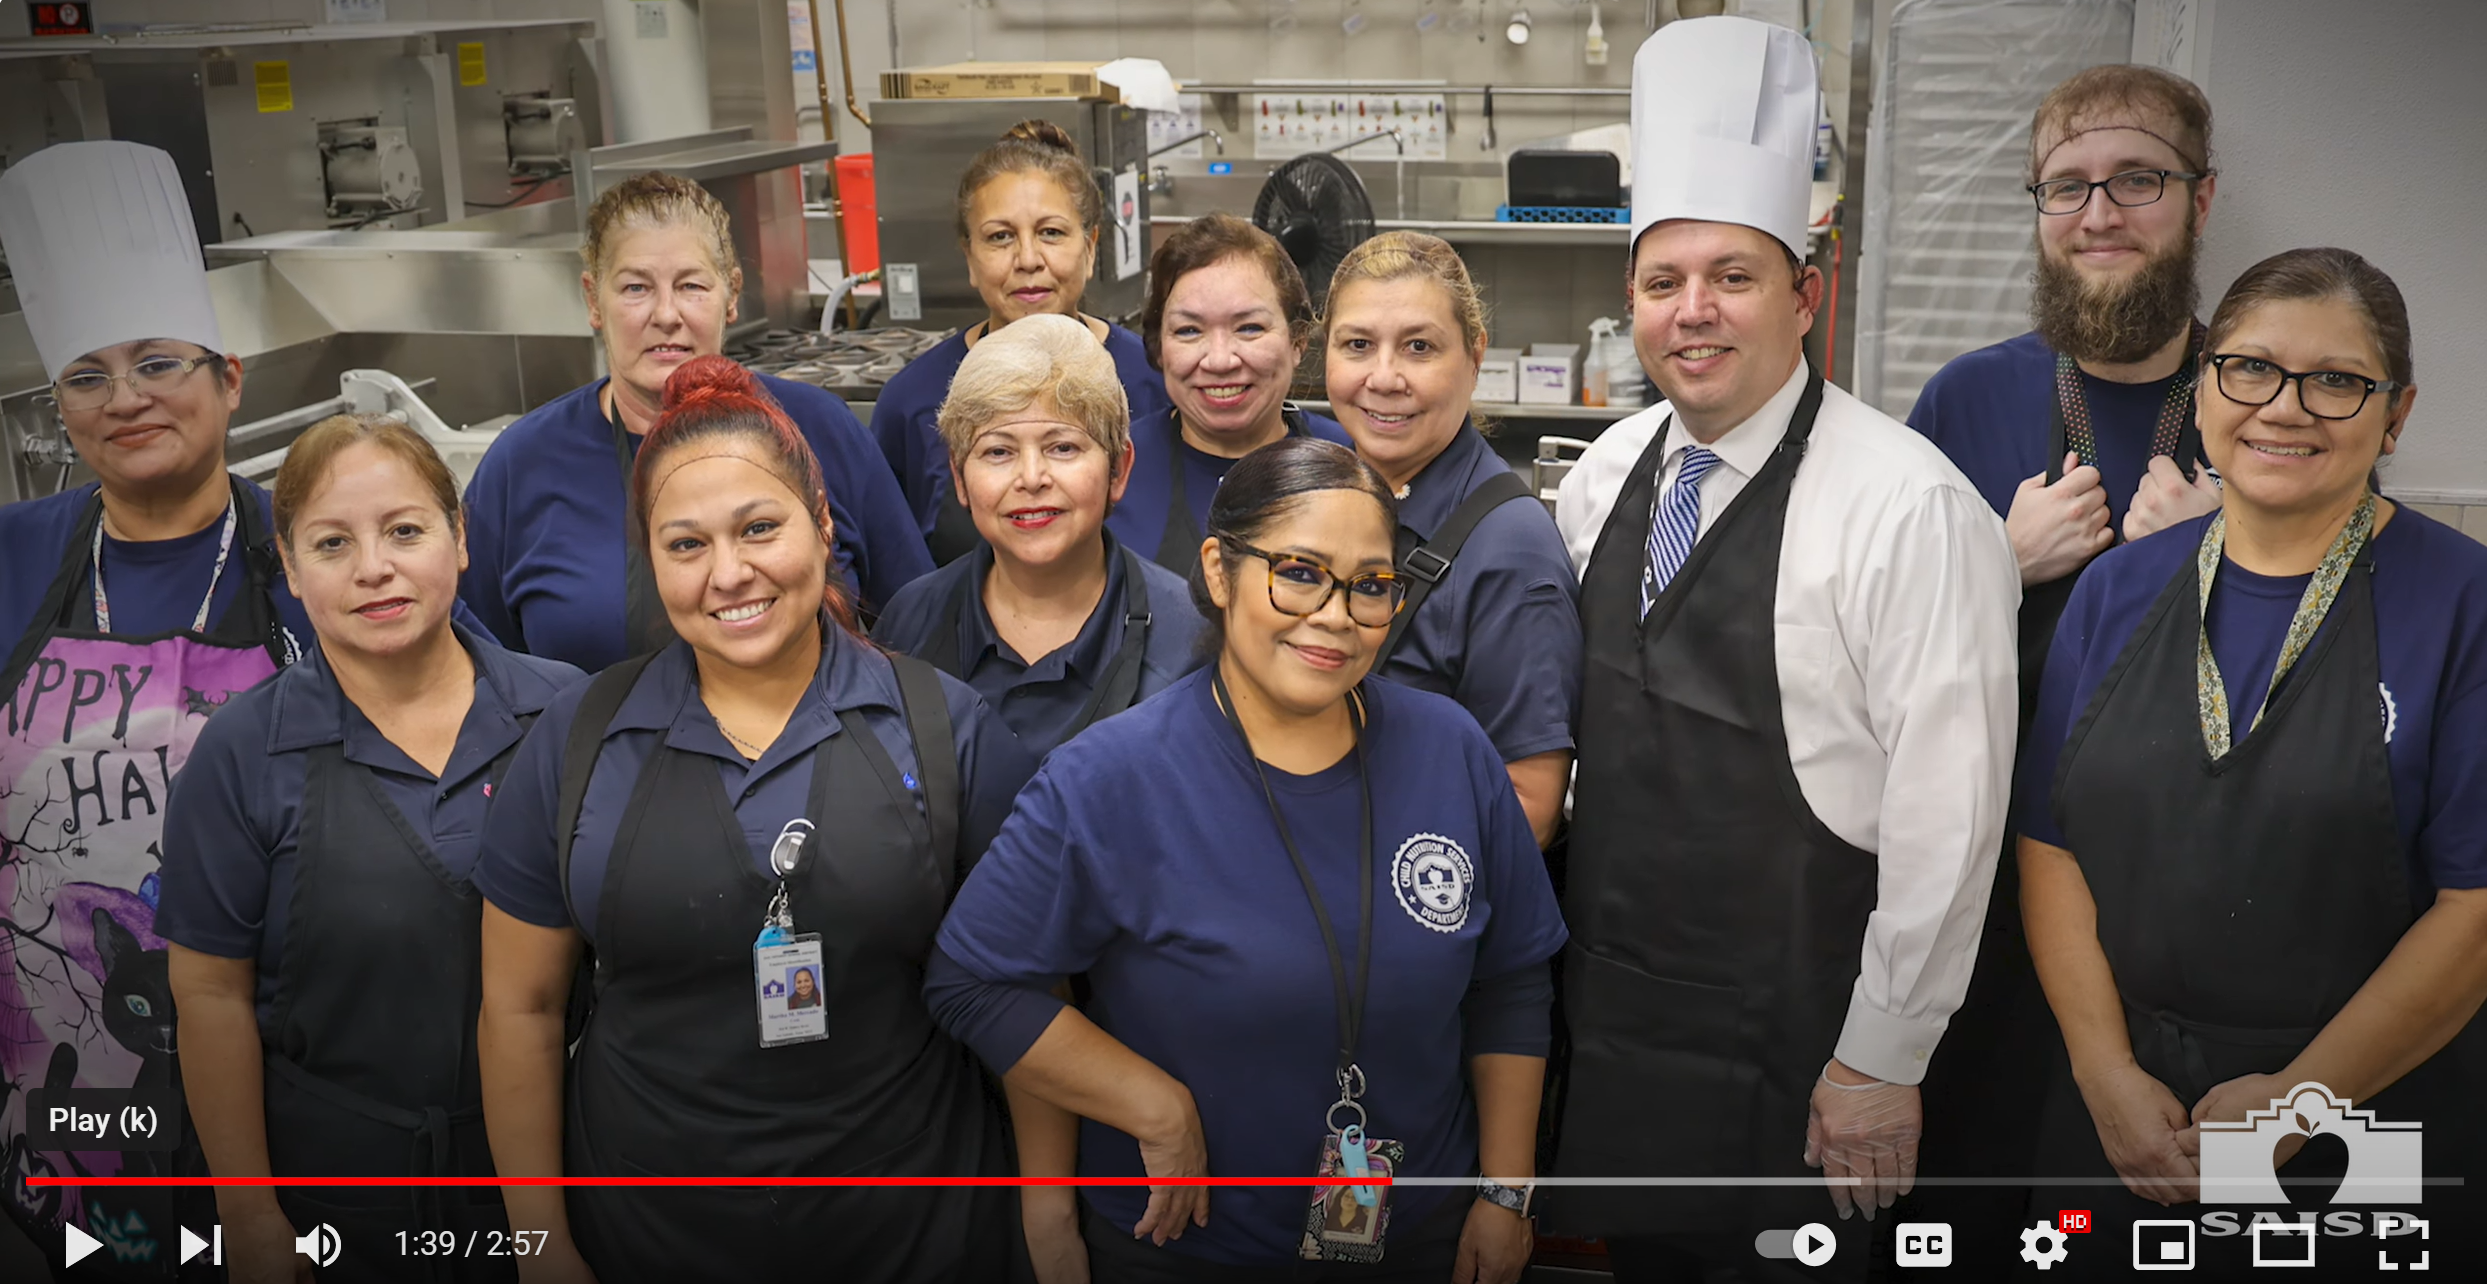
1317	208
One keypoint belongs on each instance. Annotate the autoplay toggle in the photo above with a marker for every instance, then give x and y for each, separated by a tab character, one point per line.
1811	1244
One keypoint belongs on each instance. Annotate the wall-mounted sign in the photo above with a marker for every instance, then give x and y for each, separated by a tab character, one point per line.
64	20
275	83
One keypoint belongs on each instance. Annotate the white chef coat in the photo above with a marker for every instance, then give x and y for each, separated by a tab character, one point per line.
1896	616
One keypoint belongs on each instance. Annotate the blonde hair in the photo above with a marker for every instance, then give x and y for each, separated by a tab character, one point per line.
1048	356
1402	255
313	456
654	200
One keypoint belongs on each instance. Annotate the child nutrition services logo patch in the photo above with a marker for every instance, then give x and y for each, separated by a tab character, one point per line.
1433	879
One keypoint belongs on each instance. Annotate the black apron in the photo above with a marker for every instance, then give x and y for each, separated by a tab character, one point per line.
2243	901
1178	550
645	626
1117	687
1716	923
669	1079
374	1071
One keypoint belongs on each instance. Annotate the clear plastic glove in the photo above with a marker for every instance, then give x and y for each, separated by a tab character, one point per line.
1866	1131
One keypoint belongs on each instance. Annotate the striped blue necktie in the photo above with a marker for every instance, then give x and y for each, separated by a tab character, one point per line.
1675	525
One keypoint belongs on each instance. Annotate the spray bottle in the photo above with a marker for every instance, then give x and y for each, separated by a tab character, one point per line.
1612	374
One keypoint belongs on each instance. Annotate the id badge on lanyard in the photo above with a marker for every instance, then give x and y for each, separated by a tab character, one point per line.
1343	1223
1346	1223
786	974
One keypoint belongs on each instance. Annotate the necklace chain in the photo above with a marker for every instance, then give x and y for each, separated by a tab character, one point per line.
754	750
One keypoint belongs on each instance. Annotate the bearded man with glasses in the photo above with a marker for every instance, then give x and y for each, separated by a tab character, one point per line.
2080	433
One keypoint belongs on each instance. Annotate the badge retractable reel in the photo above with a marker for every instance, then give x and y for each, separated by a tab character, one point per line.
787	979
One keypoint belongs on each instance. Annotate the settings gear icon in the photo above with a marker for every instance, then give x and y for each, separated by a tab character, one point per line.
2043	1258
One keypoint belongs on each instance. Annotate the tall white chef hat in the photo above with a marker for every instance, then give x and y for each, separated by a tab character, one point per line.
101	244
1723	117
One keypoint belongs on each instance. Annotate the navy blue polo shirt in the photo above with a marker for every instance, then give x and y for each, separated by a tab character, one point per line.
1040	700
155	585
1139	518
518	864
233	826
2430	593
1992	413
1144	855
547	507
904	418
1500	633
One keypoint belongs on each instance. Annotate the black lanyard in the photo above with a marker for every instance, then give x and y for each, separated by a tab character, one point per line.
1350	1006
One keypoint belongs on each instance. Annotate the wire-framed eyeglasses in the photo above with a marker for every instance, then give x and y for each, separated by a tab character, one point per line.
88	389
2326	394
2131	188
1300	586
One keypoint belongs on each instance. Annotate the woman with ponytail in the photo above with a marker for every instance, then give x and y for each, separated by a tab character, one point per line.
1029	215
554	572
766	795
1333	933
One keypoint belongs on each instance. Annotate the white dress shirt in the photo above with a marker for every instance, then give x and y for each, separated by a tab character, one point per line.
1896	617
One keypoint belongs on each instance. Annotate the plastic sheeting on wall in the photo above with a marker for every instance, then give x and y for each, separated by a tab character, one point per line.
1948	245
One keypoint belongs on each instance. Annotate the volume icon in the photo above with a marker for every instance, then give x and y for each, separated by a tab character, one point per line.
322	1245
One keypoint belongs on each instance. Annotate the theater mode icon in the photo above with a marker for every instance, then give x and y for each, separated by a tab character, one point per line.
2386	1159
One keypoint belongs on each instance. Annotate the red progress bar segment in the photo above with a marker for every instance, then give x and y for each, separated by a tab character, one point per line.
406	1182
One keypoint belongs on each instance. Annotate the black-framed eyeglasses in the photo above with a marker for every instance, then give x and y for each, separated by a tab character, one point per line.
1300	586
88	389
2326	394
2131	188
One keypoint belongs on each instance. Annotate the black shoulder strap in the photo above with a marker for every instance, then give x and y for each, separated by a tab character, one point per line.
936	753
2190	457
604	697
1119	685
1429	563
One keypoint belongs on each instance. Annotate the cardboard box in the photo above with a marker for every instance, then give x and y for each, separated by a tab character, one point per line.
1000	80
1498	375
1550	374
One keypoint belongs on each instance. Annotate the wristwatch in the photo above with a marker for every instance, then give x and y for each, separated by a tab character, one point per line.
1515	1199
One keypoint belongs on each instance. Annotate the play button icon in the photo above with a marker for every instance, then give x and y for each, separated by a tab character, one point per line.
79	1245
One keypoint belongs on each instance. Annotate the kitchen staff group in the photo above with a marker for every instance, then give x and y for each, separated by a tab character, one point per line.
1833	804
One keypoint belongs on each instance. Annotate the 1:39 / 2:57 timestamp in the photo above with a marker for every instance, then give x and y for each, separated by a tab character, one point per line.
472	1244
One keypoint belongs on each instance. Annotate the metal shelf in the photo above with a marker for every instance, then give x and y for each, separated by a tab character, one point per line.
1527	410
235	35
1490	232
705	162
1485	232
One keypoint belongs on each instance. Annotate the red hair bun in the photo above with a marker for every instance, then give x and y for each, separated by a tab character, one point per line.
705	378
